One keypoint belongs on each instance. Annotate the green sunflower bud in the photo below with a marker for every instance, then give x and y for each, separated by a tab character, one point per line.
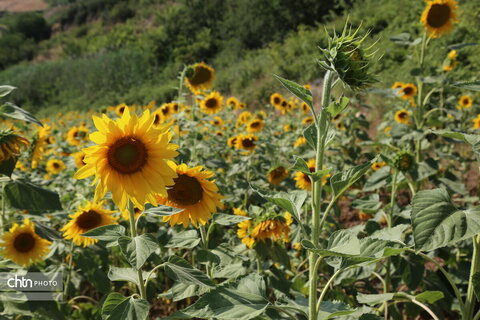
348	59
404	161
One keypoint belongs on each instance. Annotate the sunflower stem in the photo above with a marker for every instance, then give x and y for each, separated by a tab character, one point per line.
317	193
133	233
2	217
475	267
180	85
69	274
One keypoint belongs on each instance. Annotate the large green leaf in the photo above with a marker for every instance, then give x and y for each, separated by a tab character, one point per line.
291	202
302	166
25	195
373	299
5	90
438	223
187	239
341	181
467	85
118	307
301	92
429	296
138	249
180	270
125	274
225	304
228	219
10	110
472	139
162	211
333	309
109	232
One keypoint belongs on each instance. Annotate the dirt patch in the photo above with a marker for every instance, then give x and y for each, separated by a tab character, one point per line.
23	5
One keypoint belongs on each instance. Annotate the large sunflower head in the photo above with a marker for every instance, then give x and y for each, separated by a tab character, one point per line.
130	159
55	166
194	193
88	217
11	145
255	125
212	103
246	142
201	77
277	175
77	135
23	245
439	16
402	116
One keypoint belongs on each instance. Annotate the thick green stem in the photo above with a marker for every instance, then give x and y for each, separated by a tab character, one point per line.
204	234
325	289
133	233
69	271
317	193
474	268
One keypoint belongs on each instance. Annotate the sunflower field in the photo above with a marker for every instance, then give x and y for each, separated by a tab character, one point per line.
309	204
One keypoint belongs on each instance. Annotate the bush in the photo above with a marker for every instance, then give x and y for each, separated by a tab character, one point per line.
14	47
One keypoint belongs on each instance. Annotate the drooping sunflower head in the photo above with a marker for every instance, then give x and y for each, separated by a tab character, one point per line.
465	102
404	161
11	145
439	16
255	125
88	217
402	116
55	166
195	193
130	159
232	102
276	99
378	165
274	229
246	142
23	245
77	135
277	175
212	103
201	77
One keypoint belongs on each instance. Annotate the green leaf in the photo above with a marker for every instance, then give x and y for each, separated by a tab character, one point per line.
24	195
310	134
291	202
369	204
125	274
336	107
467	85
109	232
162	211
10	110
206	256
377	179
438	223
333	309
342	243
390	234
126	309
472	139
47	232
5	90
341	181
429	296
228	219
302	166
476	284
7	166
187	239
373	299
225	304
180	270
302	93
138	249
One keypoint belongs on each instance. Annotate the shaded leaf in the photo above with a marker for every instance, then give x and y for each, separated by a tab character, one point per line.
25	195
138	249
180	270
10	110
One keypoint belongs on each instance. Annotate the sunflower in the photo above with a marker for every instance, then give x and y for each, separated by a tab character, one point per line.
217	121
246	142
201	78
408	91
239	212
377	165
397	86
273	229
78	158
277	175
212	103
300	142
40	144
439	16
23	245
89	217
77	135
283	107
243	118
464	102
194	193
262	115
276	99
232	102
307	121
165	111
340	126
303	180
130	159
364	216
305	108
402	116
119	109
288	128
476	122
232	141
241	105
55	166
452	54
243	231
255	125
11	145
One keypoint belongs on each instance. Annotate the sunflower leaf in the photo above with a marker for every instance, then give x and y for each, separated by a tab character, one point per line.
341	181
228	219
472	139
336	107
302	166
301	92
25	195
5	90
291	202
10	110
126	274
467	85
163	211
179	269
118	307
109	232
138	249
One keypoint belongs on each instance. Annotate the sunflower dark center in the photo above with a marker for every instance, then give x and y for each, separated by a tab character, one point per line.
186	190
276	100
200	76
465	101
211	103
157	119
408	90
165	110
278	172
255	124
121	110
248	143
438	15
127	155
24	242
402	115
89	220
56	165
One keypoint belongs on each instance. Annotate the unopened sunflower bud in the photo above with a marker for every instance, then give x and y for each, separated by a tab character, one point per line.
404	161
